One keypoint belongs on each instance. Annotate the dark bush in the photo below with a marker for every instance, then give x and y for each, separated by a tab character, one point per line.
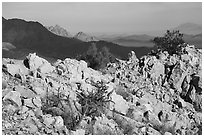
170	42
97	58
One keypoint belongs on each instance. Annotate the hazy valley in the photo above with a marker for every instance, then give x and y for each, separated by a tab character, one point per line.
57	42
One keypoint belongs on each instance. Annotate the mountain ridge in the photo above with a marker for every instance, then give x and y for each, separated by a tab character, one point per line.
58	30
85	37
33	36
189	28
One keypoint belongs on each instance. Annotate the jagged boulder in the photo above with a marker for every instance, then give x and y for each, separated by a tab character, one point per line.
120	105
104	126
15	68
157	72
35	63
14	97
156	94
132	57
25	92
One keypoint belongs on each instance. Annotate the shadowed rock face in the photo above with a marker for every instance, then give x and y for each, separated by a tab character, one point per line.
160	94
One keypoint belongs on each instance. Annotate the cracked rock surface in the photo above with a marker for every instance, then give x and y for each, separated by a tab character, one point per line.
154	95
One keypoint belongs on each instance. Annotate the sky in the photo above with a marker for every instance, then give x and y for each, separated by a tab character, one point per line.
111	17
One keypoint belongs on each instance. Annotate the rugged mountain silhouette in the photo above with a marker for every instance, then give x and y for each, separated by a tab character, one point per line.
133	40
34	37
192	35
85	37
146	40
58	30
189	28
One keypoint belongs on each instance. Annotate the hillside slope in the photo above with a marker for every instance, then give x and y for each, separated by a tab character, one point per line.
33	36
154	95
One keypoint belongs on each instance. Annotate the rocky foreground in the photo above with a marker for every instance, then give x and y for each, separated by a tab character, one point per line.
153	95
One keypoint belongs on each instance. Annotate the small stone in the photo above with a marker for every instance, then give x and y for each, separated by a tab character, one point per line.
48	131
29	103
183	103
38	112
26	93
10	108
37	102
15	118
152	131
166	97
4	84
148	107
48	120
46	68
30	113
120	104
33	128
7	125
40	91
171	91
78	132
167	133
59	123
135	114
5	92
13	96
20	133
143	129
13	69
33	62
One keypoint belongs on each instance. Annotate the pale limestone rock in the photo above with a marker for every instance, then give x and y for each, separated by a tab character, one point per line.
48	120
25	92
167	133
59	123
120	104
13	96
104	126
157	70
33	62
14	69
39	91
29	103
24	109
78	132
37	102
152	131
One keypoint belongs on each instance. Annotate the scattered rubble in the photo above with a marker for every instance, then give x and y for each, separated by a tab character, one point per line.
154	95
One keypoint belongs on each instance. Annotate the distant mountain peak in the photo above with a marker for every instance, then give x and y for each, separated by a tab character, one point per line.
85	37
189	24
189	28
58	30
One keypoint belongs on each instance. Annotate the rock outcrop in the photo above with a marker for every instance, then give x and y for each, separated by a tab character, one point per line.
59	31
85	37
154	95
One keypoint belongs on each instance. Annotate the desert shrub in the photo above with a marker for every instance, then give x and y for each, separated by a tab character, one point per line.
171	42
97	59
93	103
